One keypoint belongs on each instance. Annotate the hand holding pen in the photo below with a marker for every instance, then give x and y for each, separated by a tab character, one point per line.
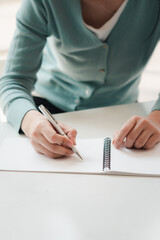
45	139
55	124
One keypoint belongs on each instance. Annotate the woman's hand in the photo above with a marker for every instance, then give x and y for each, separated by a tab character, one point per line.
139	132
44	138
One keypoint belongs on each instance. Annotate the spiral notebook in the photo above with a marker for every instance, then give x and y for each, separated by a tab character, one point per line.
99	157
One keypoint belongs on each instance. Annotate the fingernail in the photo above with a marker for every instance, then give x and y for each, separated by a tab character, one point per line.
116	145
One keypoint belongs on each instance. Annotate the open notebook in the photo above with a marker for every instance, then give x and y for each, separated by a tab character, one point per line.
100	157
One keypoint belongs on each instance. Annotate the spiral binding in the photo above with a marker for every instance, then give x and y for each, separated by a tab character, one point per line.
107	154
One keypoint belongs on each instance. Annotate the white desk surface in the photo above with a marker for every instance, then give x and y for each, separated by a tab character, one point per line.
81	207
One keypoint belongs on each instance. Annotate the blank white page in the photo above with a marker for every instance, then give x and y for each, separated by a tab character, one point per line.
17	154
136	161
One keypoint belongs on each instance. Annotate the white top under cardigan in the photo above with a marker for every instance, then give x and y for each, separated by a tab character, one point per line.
103	32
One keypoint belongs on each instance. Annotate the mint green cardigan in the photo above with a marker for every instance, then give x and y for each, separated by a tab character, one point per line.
53	53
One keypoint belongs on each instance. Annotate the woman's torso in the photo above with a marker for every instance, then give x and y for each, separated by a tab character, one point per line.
97	13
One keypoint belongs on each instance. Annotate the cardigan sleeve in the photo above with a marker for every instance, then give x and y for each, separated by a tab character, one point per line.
23	61
157	103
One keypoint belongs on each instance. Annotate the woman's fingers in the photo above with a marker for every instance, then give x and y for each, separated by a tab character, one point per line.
137	132
45	139
153	140
53	137
142	139
42	150
70	132
123	132
53	148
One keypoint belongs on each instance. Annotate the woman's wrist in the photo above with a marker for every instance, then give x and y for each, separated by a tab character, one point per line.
154	117
28	121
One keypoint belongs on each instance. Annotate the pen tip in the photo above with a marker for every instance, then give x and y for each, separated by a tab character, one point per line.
79	156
